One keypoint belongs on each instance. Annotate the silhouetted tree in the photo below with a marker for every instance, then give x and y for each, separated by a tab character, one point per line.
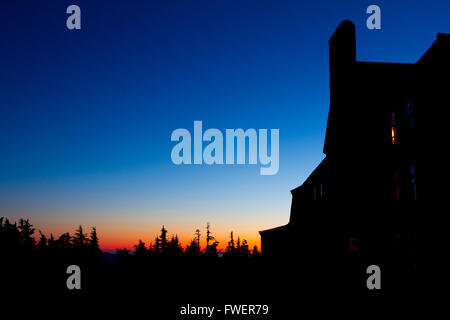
161	242
93	240
243	249
163	239
79	240
151	249
42	244
26	232
192	249
174	247
10	240
157	246
231	248
122	254
197	238
255	252
209	237
51	242
140	249
211	243
64	241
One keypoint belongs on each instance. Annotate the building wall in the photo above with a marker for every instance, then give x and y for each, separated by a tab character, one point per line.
386	130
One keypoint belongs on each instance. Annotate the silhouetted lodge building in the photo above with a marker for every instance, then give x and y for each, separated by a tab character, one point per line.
382	140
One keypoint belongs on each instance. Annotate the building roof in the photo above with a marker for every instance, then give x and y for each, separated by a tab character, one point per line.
439	48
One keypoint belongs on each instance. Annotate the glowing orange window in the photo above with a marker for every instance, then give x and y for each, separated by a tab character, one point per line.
394	135
394	138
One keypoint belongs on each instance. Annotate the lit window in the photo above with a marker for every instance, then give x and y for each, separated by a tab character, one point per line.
393	129
394	135
353	244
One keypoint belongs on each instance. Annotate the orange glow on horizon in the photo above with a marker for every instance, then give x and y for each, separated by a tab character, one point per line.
118	231
113	245
115	235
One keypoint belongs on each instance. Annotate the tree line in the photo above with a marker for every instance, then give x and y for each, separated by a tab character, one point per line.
19	238
163	246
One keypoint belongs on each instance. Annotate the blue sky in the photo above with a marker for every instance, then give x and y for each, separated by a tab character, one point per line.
86	115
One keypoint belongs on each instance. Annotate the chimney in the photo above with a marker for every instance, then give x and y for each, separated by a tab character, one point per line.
342	46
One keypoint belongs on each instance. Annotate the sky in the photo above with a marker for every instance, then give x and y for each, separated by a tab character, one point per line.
86	115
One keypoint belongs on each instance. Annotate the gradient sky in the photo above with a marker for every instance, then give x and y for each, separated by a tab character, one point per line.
86	116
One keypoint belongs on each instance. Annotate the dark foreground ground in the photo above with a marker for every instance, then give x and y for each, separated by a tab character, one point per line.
310	281
162	288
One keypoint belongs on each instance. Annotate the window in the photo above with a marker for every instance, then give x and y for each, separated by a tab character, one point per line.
394	137
353	244
396	186
413	182
409	113
397	241
318	191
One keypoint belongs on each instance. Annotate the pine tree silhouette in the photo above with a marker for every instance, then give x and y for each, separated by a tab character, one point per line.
42	244
160	246
243	250
26	232
197	238
140	249
79	240
122	255
64	241
163	239
211	243
10	238
231	248
255	252
192	249
174	247
51	242
93	240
